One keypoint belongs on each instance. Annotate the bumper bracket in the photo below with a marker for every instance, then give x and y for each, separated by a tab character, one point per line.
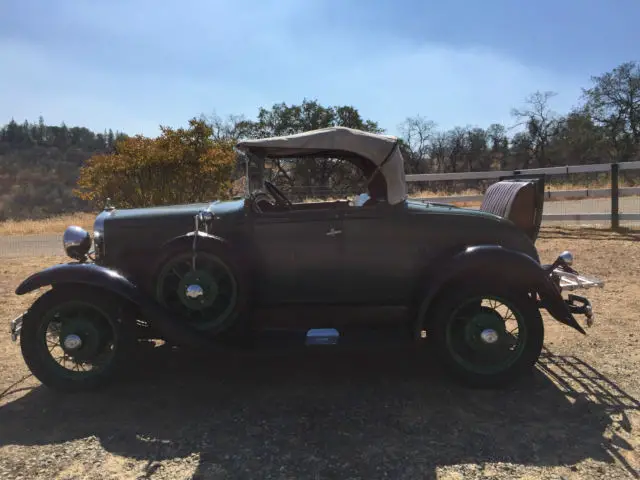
580	306
16	327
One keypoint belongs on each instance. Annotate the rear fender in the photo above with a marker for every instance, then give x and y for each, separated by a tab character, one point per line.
516	268
112	281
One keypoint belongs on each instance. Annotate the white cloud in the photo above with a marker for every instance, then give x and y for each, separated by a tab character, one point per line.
449	86
136	65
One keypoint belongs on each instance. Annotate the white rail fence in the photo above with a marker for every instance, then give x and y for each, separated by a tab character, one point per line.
614	193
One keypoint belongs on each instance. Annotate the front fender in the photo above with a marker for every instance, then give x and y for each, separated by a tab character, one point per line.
187	239
240	251
83	273
514	267
112	281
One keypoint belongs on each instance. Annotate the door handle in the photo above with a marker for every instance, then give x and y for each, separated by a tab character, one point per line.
333	232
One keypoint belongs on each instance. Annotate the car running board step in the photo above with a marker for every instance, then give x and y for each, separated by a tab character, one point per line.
276	339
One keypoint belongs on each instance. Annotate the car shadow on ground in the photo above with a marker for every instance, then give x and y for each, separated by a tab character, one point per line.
335	415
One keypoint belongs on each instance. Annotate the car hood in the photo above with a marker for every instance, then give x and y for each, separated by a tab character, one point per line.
143	216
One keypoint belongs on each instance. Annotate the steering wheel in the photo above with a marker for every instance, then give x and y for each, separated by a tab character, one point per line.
262	202
277	194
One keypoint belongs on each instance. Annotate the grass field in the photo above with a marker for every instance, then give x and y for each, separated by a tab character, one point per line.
383	415
55	224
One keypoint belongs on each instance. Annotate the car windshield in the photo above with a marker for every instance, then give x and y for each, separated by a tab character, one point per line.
309	179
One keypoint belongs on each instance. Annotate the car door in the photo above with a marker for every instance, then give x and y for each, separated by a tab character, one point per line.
301	253
379	255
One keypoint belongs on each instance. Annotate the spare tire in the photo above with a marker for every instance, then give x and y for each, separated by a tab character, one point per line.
213	297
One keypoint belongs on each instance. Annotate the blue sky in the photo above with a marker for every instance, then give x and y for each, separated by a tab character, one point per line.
131	65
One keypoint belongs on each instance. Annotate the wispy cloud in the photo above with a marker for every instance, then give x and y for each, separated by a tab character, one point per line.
134	65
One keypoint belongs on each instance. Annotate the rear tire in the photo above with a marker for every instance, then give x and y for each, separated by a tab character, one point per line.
475	343
84	328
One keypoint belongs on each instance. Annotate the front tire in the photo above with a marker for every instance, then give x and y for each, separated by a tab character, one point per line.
76	338
487	336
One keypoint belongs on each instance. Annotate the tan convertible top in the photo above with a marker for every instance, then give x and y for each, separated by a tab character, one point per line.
382	150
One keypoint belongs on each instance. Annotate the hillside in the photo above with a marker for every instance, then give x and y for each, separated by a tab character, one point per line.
39	166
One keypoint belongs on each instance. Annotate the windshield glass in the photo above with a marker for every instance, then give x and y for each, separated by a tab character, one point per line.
306	179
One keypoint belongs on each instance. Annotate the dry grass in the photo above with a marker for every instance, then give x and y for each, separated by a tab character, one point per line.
47	225
347	416
554	187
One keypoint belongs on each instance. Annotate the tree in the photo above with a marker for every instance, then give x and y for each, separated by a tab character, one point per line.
579	141
283	119
499	146
230	129
479	157
179	166
613	102
42	129
12	133
457	139
111	139
541	124
521	148
416	135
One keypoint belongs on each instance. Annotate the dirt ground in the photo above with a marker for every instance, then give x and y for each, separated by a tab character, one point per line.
384	415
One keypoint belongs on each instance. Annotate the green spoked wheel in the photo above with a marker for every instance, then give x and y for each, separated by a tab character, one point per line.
206	296
488	336
74	338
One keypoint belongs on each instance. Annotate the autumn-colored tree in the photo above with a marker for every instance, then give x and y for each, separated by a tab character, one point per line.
180	166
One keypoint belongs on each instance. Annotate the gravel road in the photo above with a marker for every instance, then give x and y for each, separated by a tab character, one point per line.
26	245
51	244
592	205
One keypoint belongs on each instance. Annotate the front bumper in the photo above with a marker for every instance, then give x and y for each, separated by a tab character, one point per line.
570	281
16	327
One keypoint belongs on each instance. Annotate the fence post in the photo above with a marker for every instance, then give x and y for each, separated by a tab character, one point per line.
615	194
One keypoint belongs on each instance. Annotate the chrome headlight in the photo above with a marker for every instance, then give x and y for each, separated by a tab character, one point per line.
76	242
567	256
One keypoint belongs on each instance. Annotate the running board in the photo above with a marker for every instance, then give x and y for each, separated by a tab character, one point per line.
286	339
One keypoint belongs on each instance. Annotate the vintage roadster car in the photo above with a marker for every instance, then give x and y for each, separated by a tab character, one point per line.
264	272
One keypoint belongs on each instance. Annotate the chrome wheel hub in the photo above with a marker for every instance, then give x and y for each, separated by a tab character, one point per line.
489	335
194	291
72	342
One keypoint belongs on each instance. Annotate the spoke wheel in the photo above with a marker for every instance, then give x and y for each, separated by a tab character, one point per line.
487	336
206	297
76	338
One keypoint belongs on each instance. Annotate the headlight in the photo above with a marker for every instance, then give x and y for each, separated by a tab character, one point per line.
567	256
76	242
